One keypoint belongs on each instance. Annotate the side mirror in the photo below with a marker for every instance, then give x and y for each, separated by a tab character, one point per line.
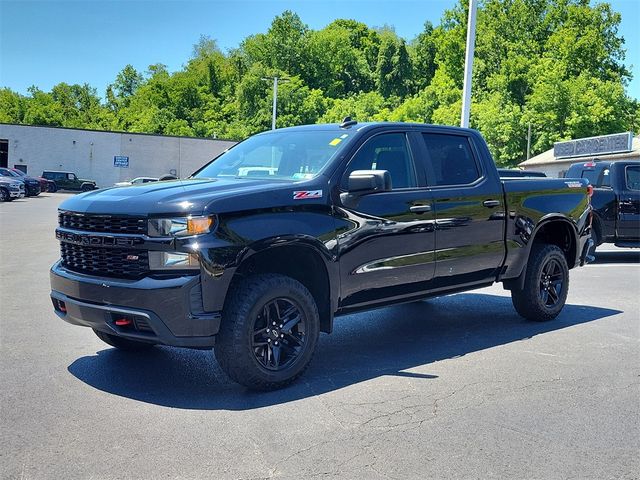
368	181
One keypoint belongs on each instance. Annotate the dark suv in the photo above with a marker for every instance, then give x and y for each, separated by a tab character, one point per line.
69	181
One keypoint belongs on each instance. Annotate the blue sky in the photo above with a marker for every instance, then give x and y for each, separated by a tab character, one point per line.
43	43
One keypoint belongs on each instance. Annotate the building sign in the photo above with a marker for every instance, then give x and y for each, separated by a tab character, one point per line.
602	145
120	161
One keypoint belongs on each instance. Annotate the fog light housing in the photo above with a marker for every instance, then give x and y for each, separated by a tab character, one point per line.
173	261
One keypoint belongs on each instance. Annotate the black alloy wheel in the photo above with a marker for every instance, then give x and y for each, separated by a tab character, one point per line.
4	195
551	283
269	331
278	334
546	284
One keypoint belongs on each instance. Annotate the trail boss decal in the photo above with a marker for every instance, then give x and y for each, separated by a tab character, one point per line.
573	184
306	194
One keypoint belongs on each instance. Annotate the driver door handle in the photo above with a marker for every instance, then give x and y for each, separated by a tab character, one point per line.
420	208
491	203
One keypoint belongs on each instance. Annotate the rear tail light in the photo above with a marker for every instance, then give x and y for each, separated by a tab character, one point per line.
590	190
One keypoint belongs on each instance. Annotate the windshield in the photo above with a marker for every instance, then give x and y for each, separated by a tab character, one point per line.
284	155
8	173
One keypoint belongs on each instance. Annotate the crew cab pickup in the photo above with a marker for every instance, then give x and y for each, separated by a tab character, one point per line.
333	219
616	200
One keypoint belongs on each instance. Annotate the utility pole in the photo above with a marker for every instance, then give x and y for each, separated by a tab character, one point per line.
529	142
468	63
275	97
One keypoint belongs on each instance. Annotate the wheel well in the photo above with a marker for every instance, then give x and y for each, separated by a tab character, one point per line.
560	233
300	263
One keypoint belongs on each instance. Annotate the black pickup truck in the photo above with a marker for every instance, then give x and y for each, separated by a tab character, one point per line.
257	252
615	200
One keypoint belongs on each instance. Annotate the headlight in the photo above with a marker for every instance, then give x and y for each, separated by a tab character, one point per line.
173	261
180	227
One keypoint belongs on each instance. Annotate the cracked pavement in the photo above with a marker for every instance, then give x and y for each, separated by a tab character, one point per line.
456	387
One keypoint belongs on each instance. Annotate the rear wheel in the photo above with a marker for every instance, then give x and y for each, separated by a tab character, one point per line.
269	332
546	284
122	343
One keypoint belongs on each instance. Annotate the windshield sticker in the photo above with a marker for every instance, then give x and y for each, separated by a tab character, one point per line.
306	194
344	136
335	142
573	184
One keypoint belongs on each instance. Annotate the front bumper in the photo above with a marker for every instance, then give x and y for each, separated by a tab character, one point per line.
16	193
167	311
32	189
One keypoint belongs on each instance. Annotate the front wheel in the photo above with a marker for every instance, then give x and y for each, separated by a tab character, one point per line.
269	331
122	343
546	284
4	195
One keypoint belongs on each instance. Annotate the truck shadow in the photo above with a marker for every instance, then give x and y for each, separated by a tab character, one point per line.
363	346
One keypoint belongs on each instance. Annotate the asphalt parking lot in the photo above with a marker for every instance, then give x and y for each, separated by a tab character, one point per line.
456	387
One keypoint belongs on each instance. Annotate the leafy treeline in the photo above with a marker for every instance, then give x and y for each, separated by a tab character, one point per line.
554	64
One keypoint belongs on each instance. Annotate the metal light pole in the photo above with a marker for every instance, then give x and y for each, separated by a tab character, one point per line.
275	97
468	63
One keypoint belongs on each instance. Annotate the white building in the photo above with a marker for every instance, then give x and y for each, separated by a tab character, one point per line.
106	157
556	161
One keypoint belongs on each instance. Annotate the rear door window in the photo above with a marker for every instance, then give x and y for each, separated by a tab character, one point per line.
633	177
451	161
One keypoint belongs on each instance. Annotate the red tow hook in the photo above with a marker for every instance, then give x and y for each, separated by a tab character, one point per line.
123	322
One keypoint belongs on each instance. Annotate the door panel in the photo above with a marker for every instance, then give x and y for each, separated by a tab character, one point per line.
386	239
469	211
386	250
629	204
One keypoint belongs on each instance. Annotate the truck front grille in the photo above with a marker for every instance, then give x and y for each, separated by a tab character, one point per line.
106	262
102	223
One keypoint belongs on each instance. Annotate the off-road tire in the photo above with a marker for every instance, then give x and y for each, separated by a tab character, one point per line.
532	302
122	343
235	347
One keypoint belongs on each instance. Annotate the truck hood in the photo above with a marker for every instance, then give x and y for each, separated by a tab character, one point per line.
174	197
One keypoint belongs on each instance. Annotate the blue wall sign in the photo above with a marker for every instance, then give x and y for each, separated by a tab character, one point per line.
120	161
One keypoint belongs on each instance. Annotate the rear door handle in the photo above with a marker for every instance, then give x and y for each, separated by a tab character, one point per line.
491	203
420	208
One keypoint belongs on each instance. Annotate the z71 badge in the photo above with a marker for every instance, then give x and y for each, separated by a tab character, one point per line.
306	194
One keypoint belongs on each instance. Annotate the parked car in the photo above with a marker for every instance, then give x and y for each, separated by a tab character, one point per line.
135	181
69	181
513	173
10	189
31	185
616	200
45	185
355	217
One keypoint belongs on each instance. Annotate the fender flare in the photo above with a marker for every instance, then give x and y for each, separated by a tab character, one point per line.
518	282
